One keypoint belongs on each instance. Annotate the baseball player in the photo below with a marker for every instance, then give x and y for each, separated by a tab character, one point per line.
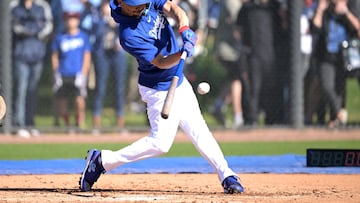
146	34
71	58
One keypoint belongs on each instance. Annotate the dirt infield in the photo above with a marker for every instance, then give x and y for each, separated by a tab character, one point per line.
190	188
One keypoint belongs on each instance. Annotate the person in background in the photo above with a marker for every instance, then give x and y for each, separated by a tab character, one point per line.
31	25
258	21
145	33
71	58
59	7
109	57
314	102
228	51
334	21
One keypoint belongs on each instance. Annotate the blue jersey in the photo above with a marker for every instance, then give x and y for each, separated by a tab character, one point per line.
146	37
71	49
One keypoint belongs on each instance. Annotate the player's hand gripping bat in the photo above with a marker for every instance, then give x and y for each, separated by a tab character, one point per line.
171	92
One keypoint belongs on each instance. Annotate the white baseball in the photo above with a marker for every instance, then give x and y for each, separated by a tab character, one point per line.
203	88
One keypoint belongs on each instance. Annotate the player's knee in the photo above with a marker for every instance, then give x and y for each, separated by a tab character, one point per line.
161	148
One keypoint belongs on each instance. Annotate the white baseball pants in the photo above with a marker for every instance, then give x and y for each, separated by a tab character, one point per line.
185	112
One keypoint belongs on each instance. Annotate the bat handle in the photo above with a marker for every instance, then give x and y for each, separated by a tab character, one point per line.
181	63
171	92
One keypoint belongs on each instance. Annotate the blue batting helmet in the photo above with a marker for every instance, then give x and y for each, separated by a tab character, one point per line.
136	2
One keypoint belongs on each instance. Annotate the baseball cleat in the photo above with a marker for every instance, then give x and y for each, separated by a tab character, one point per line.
232	185
92	171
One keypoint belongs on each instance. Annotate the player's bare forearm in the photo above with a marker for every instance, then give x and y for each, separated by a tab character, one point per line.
55	61
165	62
86	63
174	11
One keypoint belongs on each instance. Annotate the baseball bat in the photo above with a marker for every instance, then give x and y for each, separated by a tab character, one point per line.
171	92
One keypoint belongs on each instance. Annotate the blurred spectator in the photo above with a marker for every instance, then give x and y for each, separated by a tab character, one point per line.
277	109
228	51
213	14
58	7
89	17
257	21
31	25
71	58
109	57
314	101
334	21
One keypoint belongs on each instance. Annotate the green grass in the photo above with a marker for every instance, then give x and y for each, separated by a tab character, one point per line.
68	151
353	100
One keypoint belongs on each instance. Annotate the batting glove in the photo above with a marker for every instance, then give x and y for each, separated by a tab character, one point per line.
189	48
80	80
80	83
188	35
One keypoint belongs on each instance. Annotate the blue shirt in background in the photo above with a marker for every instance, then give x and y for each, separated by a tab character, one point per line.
71	49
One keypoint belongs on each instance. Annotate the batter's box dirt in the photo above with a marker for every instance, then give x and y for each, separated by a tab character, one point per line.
191	188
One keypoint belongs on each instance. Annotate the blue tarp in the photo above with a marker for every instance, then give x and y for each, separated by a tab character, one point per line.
283	164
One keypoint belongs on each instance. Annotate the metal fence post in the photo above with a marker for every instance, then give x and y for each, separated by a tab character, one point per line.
296	72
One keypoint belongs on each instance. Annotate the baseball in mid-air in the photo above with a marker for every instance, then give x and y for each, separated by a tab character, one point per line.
203	88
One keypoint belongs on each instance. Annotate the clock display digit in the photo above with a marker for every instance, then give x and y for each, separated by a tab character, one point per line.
327	159
338	159
349	160
333	157
315	158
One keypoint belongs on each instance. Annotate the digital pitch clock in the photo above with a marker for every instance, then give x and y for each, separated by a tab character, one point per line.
332	157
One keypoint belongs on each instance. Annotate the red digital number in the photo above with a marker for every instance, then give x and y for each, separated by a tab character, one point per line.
352	159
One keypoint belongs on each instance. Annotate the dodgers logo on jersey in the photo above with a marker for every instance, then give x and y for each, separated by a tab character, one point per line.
71	44
159	24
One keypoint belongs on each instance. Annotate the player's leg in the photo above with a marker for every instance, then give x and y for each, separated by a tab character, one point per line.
194	125
61	99
236	91
255	81
157	143
80	106
80	93
102	68
31	97
119	65
22	72
234	75
62	106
